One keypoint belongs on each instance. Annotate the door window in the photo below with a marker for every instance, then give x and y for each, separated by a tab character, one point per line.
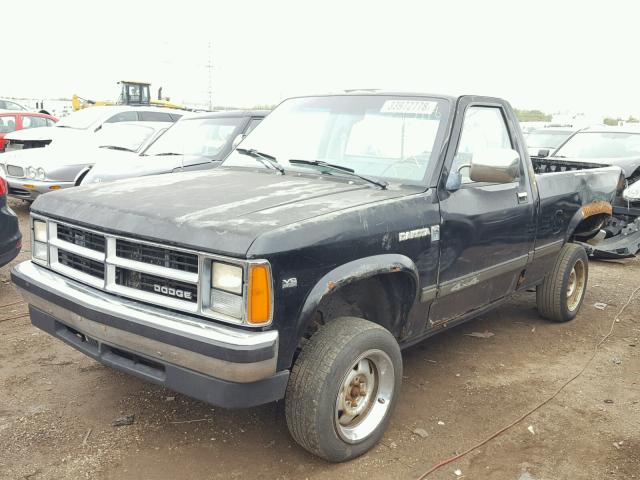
483	128
33	122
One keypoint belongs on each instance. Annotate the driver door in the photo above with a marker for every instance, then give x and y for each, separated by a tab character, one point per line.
487	229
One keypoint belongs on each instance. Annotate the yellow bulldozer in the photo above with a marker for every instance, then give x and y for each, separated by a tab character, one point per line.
131	93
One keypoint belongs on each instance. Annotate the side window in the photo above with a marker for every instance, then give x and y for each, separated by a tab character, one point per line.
175	116
33	122
252	124
50	123
128	116
155	117
483	128
7	124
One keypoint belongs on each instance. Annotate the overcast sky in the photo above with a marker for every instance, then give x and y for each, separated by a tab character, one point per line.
550	55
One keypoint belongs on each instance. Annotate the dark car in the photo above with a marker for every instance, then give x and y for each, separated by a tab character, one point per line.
195	142
10	237
344	229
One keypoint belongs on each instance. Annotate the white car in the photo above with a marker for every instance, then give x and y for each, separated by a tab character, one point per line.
35	171
87	122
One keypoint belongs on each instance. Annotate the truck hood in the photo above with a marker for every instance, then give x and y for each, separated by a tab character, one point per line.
627	164
220	211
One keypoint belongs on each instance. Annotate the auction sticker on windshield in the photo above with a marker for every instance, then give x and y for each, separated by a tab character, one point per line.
423	107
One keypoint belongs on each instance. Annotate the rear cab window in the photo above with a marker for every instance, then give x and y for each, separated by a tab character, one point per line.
129	116
155	117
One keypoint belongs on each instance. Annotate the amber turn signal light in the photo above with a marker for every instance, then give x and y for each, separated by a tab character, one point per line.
259	295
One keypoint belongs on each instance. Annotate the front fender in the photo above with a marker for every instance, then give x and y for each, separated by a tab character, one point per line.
353	271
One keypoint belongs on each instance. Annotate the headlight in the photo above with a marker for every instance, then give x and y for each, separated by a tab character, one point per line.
40	231
632	193
41	174
226	277
31	173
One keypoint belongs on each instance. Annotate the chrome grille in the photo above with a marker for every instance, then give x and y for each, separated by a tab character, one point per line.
164	257
154	284
15	171
82	238
82	264
131	268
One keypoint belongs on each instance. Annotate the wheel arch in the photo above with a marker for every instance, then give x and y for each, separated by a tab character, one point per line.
378	267
588	220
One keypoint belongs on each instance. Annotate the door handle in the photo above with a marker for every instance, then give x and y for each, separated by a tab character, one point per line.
522	197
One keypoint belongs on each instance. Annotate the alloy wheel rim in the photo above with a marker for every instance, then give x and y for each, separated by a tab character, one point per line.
576	285
364	396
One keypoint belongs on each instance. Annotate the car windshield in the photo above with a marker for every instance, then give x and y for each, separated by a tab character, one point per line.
546	138
7	123
82	119
388	137
601	145
7	105
127	137
208	137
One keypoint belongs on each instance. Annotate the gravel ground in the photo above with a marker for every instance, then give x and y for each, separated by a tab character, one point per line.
57	406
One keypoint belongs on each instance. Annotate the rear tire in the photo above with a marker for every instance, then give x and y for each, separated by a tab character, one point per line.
343	389
561	294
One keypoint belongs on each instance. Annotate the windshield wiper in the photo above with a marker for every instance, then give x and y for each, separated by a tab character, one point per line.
263	158
116	147
319	163
164	154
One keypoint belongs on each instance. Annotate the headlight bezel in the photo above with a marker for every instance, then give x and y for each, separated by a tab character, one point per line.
31	172
41	174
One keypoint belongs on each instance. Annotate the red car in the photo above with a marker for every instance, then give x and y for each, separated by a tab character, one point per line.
10	121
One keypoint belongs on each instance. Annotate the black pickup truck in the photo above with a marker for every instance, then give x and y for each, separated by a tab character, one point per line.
346	228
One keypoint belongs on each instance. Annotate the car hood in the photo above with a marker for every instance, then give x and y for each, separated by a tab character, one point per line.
220	211
44	133
628	164
139	166
62	163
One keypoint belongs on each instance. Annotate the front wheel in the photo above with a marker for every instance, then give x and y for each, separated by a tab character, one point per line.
560	295
343	389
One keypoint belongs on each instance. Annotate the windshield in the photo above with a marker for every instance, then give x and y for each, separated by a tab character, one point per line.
82	119
208	137
377	136
601	145
129	137
546	138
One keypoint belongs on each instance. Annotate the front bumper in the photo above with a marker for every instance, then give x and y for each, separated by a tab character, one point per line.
223	366
27	189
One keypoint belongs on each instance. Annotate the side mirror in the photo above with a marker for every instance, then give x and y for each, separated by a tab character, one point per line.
238	140
454	181
543	152
495	165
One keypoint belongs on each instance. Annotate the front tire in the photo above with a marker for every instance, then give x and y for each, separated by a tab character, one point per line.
561	294
343	389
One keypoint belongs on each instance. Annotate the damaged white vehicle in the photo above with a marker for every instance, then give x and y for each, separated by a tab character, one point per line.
35	171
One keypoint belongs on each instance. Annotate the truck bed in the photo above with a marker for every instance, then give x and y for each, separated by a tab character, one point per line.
552	165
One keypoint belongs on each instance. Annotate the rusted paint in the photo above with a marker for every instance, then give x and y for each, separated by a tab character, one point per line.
331	286
595	208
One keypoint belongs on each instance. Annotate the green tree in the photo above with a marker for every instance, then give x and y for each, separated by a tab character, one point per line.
532	116
612	122
632	119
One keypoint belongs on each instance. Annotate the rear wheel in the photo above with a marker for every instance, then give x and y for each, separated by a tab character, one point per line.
560	295
343	389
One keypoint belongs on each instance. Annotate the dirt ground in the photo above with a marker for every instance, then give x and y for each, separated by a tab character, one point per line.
57	406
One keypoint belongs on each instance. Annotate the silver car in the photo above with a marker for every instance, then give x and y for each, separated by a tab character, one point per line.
35	171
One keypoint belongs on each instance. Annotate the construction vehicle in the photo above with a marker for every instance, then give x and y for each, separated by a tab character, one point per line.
132	93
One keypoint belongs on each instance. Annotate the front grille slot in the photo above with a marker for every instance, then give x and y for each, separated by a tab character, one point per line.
164	257
81	264
82	238
15	171
157	285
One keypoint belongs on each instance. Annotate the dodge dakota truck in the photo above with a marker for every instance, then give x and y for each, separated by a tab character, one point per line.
343	229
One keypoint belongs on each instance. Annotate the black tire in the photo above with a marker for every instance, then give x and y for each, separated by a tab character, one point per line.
552	295
324	364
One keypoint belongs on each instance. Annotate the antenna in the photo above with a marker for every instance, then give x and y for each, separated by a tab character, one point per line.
209	66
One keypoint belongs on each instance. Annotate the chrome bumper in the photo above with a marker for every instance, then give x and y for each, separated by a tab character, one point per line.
225	353
27	189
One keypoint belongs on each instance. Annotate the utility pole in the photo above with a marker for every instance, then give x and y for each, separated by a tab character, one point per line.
209	66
